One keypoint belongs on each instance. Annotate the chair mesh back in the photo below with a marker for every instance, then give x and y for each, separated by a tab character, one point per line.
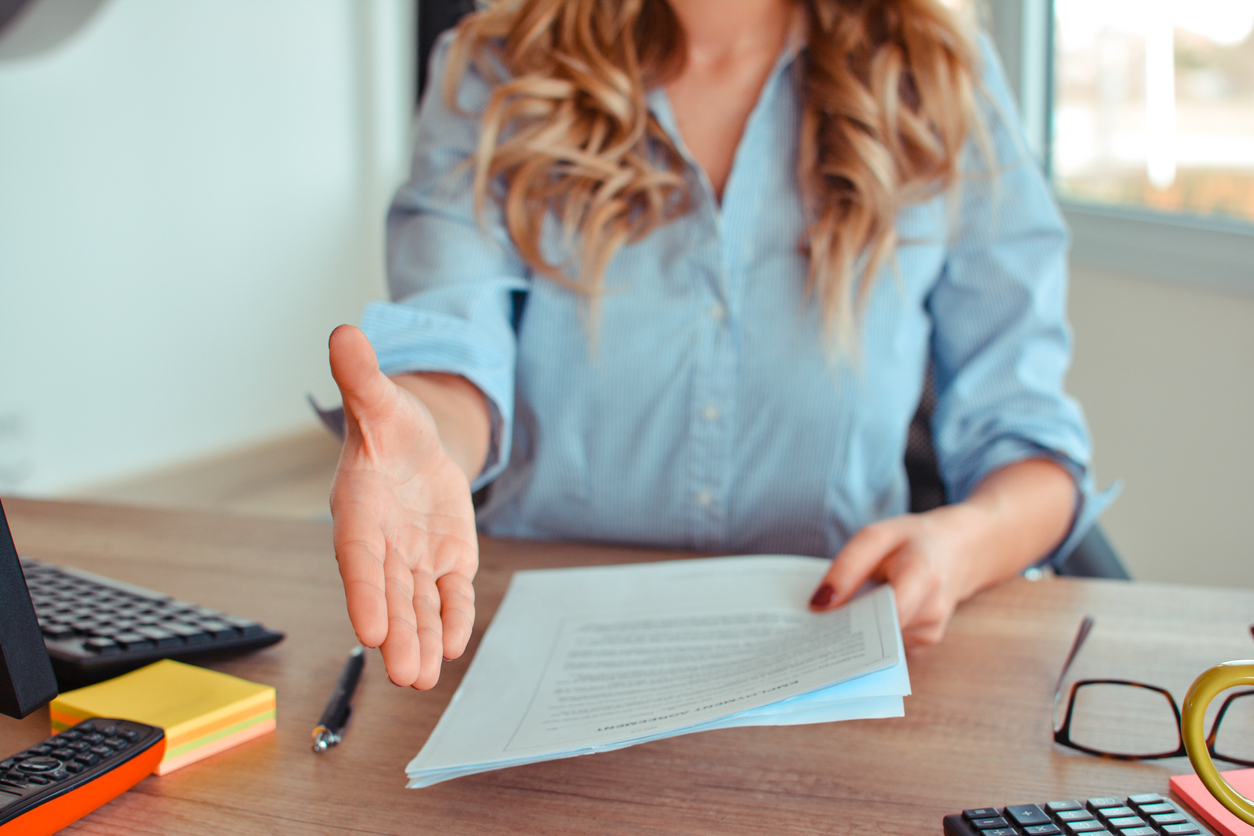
927	491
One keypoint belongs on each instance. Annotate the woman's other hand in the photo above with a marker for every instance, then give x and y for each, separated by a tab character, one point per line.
404	522
937	559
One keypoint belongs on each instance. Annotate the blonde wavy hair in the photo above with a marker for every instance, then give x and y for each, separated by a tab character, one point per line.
888	91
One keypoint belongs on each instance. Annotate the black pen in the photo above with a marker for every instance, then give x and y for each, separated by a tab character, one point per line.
330	729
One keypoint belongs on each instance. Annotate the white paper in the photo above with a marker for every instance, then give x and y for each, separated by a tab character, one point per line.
596	658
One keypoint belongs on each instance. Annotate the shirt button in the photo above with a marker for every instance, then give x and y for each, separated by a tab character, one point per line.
710	413
718	312
704	498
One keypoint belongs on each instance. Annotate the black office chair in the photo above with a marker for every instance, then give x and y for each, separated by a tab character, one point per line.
1093	556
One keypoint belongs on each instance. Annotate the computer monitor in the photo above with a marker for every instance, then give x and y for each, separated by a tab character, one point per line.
26	678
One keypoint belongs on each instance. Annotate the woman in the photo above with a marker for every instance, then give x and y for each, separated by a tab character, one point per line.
671	272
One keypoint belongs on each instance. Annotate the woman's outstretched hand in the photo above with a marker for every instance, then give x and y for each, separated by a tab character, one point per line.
404	523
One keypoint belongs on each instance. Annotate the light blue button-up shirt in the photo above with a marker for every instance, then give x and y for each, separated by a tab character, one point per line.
710	414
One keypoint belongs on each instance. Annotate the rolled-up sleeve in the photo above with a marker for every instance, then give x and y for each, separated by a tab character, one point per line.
456	284
1001	343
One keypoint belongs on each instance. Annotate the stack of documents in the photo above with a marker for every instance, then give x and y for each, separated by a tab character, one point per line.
203	712
597	658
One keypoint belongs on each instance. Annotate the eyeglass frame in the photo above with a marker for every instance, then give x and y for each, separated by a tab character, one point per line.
1062	734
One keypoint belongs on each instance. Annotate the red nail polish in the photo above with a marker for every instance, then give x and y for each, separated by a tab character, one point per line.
822	596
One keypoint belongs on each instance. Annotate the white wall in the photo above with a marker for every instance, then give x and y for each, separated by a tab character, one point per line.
1166	376
191	197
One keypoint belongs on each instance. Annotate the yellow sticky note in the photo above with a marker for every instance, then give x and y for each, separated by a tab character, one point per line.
192	704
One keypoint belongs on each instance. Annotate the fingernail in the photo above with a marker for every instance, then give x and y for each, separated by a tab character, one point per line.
822	596
446	659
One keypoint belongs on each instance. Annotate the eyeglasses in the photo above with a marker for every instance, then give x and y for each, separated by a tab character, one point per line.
1107	717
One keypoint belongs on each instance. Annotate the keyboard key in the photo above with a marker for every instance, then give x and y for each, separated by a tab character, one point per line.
1063	806
1139	831
159	637
1042	830
1074	828
1107	801
245	625
1000	831
74	767
1168	818
40	764
93	737
189	633
217	629
102	645
87	727
69	734
980	813
62	754
38	779
1026	815
130	734
1073	815
1125	822
39	749
109	731
56	631
1109	813
989	823
1186	829
1155	809
102	751
1145	798
87	758
78	745
133	641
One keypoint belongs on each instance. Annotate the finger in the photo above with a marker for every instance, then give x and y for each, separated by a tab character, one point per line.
359	549
914	585
923	635
356	371
457	612
426	607
401	650
856	561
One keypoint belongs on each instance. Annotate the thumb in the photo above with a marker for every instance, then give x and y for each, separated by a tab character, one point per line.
356	371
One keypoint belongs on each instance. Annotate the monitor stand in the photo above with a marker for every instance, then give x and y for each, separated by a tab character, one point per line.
26	678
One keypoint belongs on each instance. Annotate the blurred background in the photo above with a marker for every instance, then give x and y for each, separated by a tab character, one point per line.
192	196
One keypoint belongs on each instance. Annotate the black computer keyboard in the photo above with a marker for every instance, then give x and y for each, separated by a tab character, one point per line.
96	628
1138	815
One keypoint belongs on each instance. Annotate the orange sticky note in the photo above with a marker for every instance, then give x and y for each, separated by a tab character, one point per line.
1190	788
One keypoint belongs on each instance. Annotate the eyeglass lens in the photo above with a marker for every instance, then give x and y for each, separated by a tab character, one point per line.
1235	736
1125	720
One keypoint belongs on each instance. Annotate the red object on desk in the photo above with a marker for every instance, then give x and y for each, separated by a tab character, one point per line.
1191	789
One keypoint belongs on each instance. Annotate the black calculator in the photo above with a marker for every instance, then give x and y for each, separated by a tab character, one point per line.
1148	814
72	773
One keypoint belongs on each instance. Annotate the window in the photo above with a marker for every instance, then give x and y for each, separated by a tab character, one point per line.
1142	113
1154	104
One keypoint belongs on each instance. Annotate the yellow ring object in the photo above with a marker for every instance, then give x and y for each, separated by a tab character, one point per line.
1204	689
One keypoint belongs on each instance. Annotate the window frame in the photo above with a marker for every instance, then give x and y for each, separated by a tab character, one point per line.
1173	246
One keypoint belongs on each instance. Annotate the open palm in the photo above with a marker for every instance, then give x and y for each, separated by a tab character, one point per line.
404	523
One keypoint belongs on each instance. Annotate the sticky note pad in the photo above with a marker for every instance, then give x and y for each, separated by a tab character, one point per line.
1193	791
203	712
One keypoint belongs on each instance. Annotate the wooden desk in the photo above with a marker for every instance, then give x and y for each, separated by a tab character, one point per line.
976	731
